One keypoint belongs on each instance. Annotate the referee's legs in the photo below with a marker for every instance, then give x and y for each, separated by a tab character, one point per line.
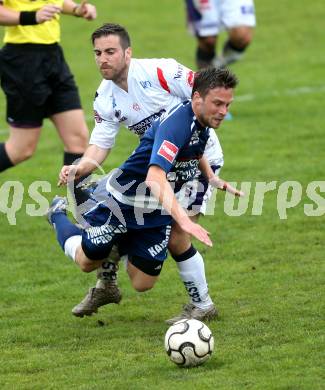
20	146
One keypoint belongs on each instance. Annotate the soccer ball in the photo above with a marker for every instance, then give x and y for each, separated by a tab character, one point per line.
189	343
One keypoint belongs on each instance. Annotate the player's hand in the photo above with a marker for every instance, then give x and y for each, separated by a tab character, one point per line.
196	230
217	182
86	10
47	13
67	173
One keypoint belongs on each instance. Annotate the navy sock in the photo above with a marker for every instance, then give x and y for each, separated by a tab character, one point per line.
64	228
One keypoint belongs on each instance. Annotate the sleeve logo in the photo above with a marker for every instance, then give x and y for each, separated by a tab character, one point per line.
168	151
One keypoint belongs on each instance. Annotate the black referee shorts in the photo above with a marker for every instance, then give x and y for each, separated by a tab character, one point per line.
37	83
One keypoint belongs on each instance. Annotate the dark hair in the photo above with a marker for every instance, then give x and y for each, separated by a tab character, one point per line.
210	78
112	29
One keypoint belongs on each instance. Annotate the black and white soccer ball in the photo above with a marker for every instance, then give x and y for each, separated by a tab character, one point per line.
189	343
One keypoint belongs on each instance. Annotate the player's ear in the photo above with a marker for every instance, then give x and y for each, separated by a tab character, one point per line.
128	54
196	97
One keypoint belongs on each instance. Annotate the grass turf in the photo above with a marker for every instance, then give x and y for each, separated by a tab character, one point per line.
265	274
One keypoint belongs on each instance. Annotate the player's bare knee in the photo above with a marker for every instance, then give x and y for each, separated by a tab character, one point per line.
140	286
18	155
86	267
241	37
207	43
85	264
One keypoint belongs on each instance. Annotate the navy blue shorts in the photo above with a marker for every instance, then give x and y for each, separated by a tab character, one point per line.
146	247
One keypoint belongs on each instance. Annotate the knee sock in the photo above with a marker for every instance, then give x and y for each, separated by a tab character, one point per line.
71	245
191	269
5	162
231	53
64	228
79	195
106	273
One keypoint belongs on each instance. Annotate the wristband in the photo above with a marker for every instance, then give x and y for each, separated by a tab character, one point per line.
27	18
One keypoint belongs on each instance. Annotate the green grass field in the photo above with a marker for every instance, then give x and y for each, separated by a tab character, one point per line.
265	274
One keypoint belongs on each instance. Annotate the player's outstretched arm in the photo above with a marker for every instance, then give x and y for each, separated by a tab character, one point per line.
92	158
216	181
159	186
9	17
82	10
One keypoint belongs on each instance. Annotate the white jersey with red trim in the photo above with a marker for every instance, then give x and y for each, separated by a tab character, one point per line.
154	87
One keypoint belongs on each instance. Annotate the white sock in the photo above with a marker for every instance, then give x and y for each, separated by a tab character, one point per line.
71	245
124	260
106	273
230	55
192	273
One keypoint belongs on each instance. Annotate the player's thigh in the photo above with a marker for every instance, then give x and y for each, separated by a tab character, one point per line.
72	129
147	251
236	13
241	35
203	17
22	143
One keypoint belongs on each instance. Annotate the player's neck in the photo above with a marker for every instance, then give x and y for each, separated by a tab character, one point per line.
122	79
122	83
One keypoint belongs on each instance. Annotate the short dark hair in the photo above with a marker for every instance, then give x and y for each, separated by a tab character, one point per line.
210	78
112	29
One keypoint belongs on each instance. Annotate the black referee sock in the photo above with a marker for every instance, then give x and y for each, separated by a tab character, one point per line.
5	162
80	196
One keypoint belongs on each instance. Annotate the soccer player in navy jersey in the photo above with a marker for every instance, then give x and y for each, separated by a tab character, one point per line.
141	199
134	92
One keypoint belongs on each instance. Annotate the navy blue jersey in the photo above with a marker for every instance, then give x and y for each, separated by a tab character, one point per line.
175	143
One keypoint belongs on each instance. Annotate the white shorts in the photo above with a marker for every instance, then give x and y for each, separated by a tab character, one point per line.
210	17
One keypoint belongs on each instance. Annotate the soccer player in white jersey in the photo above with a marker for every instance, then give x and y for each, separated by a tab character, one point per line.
207	18
141	198
133	93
